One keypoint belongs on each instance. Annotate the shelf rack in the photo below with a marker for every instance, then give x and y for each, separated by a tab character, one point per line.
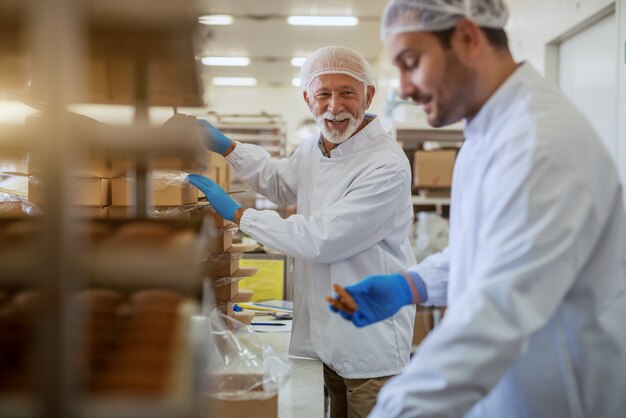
54	53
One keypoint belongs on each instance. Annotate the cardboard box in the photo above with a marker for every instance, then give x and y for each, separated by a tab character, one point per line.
87	191
259	404
120	166
227	292
422	326
433	168
224	265
222	241
11	209
91	211
224	177
250	408
245	317
162	195
93	166
243	295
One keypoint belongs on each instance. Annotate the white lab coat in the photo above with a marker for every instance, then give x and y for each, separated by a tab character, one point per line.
535	325
354	214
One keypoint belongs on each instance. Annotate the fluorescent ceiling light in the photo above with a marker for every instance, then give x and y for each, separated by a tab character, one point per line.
227	61
296	82
216	20
298	61
322	20
234	81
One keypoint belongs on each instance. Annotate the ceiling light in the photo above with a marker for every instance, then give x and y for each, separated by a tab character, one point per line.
298	61
296	82
216	19
234	81
227	61
322	20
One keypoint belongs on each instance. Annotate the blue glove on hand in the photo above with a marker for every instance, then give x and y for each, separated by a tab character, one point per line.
217	197
216	140
377	297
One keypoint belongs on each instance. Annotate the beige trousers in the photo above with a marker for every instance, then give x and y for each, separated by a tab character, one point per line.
351	398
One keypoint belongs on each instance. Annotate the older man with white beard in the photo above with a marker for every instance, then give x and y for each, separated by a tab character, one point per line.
352	187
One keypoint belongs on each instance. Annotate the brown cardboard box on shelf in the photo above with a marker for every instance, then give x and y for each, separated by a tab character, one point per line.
259	404
178	212
433	168
162	195
226	292
91	211
220	222
93	166
223	265
224	177
120	166
222	241
244	317
11	209
246	272
216	160
244	408
227	308
423	325
243	295
87	191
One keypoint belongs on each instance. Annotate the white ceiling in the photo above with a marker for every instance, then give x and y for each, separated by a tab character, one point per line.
260	31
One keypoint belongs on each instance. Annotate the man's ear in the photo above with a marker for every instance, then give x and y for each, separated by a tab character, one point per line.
306	98
467	40
371	90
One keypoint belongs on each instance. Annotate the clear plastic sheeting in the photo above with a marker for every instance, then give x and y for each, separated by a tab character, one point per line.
15	205
241	365
436	15
165	178
429	235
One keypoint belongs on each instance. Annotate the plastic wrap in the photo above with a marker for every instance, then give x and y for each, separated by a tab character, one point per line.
241	365
13	204
165	178
430	234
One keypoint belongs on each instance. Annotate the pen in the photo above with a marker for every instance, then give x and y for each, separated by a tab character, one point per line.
268	323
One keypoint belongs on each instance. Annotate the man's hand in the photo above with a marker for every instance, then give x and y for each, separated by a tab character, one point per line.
373	299
217	197
216	140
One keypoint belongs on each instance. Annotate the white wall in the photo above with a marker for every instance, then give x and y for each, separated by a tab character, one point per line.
535	23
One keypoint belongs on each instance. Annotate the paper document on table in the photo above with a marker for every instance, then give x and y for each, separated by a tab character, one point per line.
271	326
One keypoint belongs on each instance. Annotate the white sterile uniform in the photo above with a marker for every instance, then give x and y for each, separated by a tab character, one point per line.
535	325
354	214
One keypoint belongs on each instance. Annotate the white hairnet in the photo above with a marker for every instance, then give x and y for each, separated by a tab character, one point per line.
336	60
435	15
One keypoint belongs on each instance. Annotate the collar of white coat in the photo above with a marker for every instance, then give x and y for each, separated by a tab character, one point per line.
498	104
369	132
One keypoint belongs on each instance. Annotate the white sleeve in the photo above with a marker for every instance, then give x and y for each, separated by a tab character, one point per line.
434	271
277	179
365	215
540	227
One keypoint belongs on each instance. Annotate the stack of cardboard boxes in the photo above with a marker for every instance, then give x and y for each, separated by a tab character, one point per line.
432	171
225	272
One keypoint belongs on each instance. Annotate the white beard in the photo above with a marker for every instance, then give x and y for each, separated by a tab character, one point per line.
334	136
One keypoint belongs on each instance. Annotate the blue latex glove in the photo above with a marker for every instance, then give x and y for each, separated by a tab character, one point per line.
217	197
216	140
377	297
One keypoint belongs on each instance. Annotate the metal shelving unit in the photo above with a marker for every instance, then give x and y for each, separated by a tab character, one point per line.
61	52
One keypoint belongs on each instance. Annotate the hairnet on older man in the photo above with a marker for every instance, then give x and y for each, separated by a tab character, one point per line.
435	15
336	60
